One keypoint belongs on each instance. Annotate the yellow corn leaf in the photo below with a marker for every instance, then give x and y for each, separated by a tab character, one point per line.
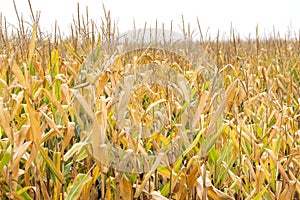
52	124
278	164
78	185
231	91
153	105
32	45
261	193
75	148
34	123
57	105
83	102
4	123
19	153
52	167
125	189
148	175
217	194
102	81
68	136
288	191
71	50
19	74
233	176
3	84
212	192
202	104
259	178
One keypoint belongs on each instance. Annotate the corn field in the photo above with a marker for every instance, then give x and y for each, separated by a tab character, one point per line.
63	98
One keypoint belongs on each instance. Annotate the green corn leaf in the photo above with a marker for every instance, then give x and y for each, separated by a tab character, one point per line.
6	158
23	193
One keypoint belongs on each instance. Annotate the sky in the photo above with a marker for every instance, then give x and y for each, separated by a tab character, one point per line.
213	15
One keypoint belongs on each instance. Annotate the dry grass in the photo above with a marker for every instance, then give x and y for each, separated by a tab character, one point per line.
45	154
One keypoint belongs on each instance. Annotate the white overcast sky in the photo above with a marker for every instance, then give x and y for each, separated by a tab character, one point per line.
216	15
